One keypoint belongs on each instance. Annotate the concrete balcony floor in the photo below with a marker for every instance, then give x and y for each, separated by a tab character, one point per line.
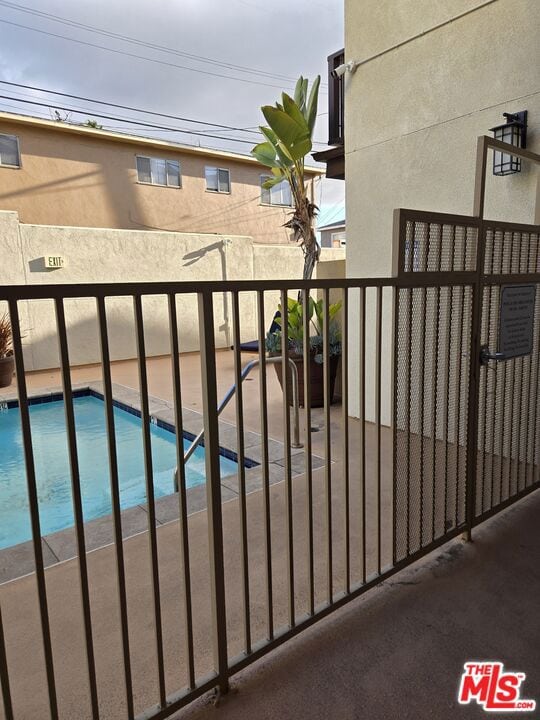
396	652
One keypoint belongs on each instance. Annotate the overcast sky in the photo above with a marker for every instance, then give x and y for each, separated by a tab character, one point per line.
280	39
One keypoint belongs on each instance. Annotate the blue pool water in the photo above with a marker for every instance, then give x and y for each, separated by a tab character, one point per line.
52	465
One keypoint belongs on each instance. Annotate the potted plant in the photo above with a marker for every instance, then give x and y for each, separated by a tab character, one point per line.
7	361
295	340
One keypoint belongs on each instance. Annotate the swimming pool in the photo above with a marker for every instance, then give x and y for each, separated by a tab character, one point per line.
52	465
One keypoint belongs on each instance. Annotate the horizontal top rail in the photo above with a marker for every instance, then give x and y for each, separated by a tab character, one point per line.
91	290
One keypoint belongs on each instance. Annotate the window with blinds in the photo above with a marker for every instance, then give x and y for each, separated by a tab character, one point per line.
280	194
217	180
157	171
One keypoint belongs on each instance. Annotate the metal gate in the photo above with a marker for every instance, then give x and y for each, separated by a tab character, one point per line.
466	369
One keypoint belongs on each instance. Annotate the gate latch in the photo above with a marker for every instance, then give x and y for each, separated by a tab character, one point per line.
486	355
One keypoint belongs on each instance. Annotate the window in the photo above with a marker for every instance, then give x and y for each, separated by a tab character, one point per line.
338	239
157	171
9	151
278	195
217	180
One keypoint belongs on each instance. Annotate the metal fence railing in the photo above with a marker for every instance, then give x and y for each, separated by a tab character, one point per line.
377	517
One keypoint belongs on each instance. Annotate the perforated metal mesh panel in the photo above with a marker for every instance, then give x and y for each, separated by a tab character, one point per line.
430	414
446	247
511	251
509	424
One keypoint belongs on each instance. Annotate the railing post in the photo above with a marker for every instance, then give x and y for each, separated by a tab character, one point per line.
213	487
474	388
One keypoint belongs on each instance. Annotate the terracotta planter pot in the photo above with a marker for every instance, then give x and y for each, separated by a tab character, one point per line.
7	366
316	380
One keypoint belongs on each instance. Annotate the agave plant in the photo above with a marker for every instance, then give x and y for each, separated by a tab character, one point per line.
288	140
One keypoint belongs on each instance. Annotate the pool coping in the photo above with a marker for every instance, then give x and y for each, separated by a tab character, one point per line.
18	560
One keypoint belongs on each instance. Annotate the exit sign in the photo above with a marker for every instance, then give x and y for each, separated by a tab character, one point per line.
53	262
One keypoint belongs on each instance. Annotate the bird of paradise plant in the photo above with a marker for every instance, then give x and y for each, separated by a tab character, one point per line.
289	138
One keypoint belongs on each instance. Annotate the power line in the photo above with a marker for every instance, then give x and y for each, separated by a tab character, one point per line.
143	43
137	57
120	119
134	121
125	107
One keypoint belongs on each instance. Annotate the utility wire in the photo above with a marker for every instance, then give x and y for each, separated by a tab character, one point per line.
126	107
135	121
120	119
137	57
143	43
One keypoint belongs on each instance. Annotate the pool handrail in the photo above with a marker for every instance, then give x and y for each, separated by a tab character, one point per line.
231	391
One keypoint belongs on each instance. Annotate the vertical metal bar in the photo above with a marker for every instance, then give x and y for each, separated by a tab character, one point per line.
474	371
512	364
496	405
289	529
526	385
519	239
421	405
378	380
241	469
535	439
362	413
182	494
115	498
306	300
503	433
265	464
447	376
77	501
33	506
480	176
327	444
434	395
4	675
409	404
149	476
519	419
459	387
394	416
345	432
528	361
213	486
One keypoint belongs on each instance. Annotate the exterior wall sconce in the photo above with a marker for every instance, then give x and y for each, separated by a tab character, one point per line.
513	132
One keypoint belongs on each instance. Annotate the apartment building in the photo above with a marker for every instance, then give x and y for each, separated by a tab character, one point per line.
57	173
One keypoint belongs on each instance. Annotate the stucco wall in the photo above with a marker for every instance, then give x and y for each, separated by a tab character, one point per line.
87	181
104	255
413	115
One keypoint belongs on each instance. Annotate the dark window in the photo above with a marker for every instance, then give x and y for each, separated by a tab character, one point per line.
217	180
9	151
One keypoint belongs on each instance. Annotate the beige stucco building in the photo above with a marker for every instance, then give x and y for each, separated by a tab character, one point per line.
427	79
434	76
55	173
